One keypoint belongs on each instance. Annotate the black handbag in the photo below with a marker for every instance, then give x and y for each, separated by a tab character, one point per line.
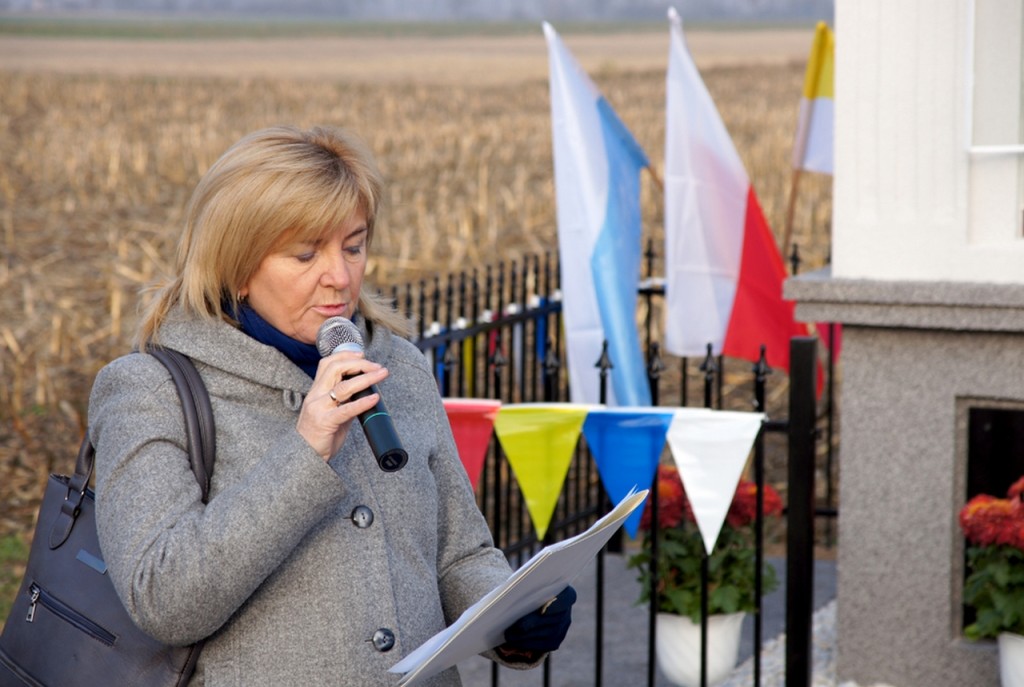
67	625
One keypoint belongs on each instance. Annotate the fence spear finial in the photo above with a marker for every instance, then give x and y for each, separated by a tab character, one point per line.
710	369
655	365
604	363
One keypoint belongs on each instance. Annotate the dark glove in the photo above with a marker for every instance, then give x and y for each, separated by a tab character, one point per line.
541	631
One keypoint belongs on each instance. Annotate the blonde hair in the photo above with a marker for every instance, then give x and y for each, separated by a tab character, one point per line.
273	182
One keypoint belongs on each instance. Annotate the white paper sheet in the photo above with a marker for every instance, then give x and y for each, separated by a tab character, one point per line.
483	624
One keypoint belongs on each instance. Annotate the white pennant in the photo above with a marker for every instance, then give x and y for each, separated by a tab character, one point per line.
710	448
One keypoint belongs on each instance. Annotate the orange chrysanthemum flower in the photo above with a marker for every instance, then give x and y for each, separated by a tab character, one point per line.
987	521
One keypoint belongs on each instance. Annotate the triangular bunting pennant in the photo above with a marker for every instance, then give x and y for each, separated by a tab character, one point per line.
472	421
627	445
539	440
710	448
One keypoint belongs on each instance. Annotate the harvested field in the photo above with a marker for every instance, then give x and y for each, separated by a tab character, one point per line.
101	142
449	60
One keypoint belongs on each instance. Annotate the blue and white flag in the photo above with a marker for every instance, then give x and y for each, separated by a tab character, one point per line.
597	188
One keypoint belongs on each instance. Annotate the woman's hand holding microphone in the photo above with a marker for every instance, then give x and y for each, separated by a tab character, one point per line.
329	408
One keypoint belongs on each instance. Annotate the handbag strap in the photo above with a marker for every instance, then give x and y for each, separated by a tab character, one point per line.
199	437
195	401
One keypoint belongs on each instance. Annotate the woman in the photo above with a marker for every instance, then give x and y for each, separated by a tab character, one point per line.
309	564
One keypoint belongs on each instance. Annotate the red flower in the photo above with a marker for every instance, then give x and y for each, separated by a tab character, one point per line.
1015	536
1016	490
674	508
988	521
743	510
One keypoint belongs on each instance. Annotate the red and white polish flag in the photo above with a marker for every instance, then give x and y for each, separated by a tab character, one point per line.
723	269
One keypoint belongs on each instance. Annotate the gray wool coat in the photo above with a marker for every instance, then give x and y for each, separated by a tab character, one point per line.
286	585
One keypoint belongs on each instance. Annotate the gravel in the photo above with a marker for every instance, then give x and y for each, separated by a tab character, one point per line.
773	657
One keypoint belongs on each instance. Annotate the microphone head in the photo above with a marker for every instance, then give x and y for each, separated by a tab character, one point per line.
338	334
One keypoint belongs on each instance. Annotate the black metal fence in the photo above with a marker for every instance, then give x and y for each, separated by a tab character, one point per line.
496	333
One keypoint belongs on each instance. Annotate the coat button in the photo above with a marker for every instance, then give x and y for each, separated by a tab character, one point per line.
362	516
383	640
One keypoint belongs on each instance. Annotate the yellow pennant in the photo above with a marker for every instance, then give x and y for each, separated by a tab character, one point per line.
539	440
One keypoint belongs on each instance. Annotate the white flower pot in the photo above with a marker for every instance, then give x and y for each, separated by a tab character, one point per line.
1011	659
677	647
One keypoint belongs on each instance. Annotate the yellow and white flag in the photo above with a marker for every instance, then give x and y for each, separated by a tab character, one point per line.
812	149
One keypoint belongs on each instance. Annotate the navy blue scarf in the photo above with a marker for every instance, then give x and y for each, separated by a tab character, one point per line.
304	355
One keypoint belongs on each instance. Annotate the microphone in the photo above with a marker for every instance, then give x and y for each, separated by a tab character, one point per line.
340	334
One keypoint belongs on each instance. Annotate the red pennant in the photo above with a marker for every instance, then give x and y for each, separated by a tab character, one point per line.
472	421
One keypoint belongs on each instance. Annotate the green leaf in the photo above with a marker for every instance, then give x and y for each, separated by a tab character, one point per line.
724	600
994	588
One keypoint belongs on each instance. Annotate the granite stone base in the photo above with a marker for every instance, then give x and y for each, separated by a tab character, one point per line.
915	357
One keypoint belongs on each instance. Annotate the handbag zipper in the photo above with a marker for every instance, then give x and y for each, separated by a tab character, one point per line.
38	595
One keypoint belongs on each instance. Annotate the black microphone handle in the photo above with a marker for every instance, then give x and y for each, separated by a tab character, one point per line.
380	434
